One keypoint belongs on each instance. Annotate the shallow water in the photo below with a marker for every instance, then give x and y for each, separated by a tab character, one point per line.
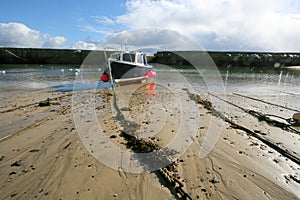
58	77
275	85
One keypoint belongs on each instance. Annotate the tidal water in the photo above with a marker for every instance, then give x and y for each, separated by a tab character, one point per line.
59	77
275	85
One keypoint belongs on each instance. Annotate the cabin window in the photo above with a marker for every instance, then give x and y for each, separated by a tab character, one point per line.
145	59
129	57
116	56
140	58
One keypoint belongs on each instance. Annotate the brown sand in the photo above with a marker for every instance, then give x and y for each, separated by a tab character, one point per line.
43	157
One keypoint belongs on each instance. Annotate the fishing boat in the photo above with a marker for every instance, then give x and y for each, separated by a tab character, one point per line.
127	67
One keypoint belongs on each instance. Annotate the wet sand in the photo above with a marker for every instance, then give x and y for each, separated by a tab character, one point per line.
43	157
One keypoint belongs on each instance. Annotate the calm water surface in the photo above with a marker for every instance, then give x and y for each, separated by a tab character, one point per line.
279	85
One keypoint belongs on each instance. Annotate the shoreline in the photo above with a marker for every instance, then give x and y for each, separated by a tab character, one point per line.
42	160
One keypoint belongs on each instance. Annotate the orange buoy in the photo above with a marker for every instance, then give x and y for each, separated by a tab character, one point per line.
151	89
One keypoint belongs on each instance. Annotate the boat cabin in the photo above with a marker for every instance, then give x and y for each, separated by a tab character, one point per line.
136	58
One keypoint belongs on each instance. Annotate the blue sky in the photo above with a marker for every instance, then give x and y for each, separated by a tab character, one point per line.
269	25
60	17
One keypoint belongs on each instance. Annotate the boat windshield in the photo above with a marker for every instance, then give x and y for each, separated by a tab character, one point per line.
129	57
140	58
116	56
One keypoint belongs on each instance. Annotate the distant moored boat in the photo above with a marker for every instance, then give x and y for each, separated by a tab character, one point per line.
292	67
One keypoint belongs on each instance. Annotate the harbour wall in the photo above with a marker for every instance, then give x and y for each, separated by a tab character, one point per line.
249	59
220	58
41	56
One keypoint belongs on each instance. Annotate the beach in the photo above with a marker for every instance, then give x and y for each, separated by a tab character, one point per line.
44	154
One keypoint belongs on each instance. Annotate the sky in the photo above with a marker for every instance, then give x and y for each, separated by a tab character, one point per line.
219	25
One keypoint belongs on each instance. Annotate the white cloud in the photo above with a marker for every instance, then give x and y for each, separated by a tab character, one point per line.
272	25
85	45
57	41
15	34
104	19
150	38
19	35
221	24
95	29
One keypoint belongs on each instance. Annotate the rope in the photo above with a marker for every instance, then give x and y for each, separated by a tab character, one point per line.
280	150
11	53
255	99
265	117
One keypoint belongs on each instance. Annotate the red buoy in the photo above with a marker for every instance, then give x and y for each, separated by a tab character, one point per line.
104	77
150	74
